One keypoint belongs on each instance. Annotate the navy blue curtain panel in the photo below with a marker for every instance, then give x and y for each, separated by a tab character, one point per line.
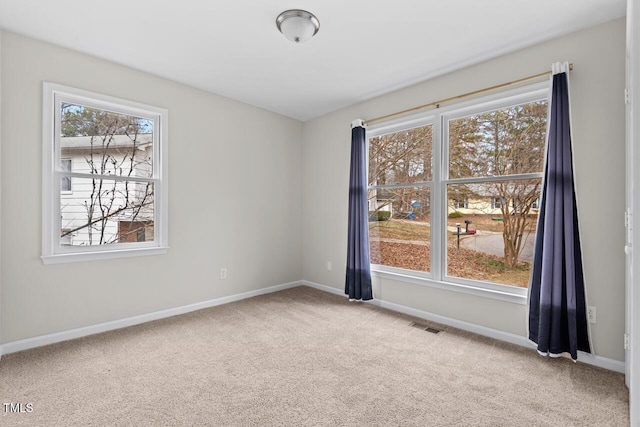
557	304
358	282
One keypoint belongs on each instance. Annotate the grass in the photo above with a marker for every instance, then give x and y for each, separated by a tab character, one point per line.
400	229
487	222
476	265
478	222
387	248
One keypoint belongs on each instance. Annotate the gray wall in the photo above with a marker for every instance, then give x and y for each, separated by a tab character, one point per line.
235	199
597	85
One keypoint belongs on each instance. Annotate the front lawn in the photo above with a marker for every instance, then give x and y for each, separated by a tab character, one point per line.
406	244
401	229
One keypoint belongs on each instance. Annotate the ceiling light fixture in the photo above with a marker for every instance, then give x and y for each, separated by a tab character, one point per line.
297	25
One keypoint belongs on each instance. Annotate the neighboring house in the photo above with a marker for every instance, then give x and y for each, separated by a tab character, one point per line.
101	211
380	202
488	200
403	203
485	205
481	202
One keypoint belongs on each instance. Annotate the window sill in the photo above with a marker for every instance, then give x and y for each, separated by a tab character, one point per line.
100	255
514	297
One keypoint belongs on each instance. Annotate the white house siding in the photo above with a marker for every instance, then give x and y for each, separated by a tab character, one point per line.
74	212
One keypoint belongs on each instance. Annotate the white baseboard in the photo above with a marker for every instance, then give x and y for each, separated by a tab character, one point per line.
590	359
324	288
25	344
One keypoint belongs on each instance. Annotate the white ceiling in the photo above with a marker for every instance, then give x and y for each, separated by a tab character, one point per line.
364	47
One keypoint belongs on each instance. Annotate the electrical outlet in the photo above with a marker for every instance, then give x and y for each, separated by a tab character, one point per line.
223	273
591	313
627	344
329	266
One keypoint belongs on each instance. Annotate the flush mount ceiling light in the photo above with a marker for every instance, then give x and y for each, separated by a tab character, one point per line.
297	25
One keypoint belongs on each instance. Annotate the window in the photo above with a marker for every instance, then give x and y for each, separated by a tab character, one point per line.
535	205
461	203
478	164
400	180
66	237
134	231
65	181
111	199
497	203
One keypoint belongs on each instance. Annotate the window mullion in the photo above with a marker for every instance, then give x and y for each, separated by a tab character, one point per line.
495	178
119	178
400	185
437	197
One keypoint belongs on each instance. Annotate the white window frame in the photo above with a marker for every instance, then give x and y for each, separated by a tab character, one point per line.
52	250
440	117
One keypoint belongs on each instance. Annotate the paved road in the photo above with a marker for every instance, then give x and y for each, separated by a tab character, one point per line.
492	243
489	242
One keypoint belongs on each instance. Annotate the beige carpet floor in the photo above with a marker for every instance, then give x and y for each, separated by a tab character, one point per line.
302	357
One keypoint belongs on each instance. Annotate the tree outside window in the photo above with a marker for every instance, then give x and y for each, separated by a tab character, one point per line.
108	151
491	187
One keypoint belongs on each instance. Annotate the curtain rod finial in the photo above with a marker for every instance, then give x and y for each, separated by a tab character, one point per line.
357	123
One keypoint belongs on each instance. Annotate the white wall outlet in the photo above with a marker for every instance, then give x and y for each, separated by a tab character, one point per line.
627	344
223	273
329	266
591	313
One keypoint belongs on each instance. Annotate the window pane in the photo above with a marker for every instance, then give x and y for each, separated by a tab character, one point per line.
65	183
399	229
102	211
497	212
106	143
401	157
501	142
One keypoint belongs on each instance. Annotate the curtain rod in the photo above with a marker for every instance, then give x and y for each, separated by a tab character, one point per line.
465	95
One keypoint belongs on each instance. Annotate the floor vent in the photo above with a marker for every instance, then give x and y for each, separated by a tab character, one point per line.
425	327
